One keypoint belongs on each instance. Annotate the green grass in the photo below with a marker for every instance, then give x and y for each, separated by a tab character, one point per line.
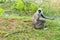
12	22
24	23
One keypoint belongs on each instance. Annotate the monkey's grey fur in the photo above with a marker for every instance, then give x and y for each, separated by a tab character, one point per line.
40	24
36	21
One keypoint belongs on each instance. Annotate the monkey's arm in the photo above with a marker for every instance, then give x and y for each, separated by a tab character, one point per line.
46	17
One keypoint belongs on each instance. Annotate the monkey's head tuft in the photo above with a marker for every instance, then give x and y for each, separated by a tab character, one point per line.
39	10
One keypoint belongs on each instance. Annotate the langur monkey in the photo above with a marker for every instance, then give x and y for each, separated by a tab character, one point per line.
36	21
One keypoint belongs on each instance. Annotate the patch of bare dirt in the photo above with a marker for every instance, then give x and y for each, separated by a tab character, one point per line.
2	20
13	22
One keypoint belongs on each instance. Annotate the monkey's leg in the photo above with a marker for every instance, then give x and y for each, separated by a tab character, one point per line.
35	26
42	24
38	25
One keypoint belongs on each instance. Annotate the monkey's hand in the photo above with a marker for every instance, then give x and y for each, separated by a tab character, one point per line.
52	19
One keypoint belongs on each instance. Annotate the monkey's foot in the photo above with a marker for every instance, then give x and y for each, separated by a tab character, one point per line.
45	28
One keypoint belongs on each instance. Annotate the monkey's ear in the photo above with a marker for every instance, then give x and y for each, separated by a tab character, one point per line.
39	11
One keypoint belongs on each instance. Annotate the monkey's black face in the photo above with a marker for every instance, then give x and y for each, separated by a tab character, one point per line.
39	11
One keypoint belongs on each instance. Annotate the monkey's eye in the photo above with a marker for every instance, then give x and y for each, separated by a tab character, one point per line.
39	11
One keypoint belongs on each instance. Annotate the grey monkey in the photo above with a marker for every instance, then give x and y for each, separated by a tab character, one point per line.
36	21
